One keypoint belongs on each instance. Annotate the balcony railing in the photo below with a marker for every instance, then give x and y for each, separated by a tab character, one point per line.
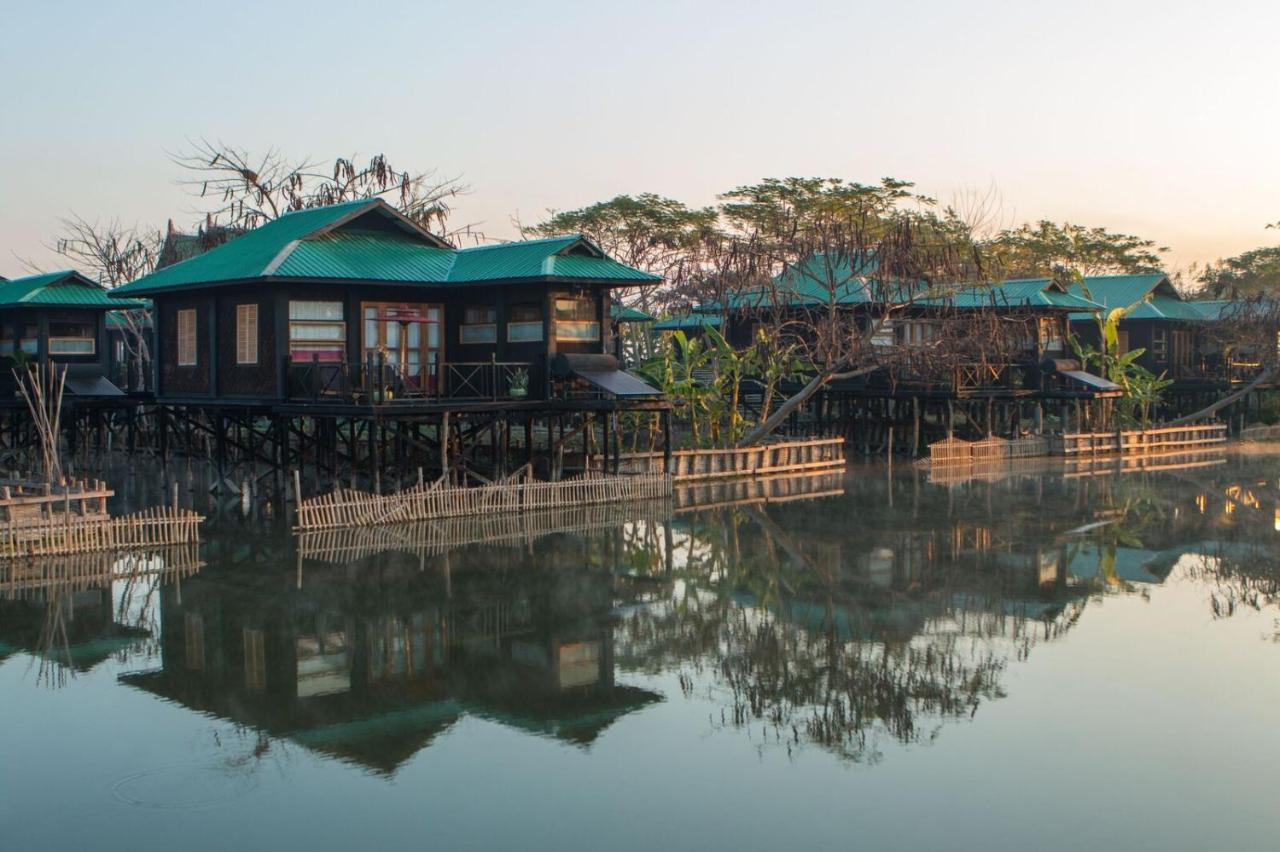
377	381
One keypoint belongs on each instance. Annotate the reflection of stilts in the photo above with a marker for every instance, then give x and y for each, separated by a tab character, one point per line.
57	583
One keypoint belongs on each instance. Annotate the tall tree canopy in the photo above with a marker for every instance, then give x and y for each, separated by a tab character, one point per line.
1253	273
1030	251
781	209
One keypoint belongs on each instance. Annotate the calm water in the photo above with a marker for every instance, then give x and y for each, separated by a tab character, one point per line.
1038	662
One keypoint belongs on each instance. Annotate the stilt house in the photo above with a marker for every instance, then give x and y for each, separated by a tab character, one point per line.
355	304
59	318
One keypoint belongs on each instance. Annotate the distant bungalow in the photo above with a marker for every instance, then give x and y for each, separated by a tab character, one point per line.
1039	310
1169	329
354	303
60	318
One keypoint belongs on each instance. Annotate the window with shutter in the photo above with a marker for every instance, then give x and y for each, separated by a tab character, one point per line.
187	338
246	334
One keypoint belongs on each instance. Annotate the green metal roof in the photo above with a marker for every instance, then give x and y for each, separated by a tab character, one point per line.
1153	294
1020	293
1120	291
367	240
65	289
366	257
1211	309
824	278
686	323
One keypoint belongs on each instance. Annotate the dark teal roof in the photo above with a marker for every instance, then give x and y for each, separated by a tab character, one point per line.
65	289
621	313
1211	309
686	323
824	278
1020	293
369	241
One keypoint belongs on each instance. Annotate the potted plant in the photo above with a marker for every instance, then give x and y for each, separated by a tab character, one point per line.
518	383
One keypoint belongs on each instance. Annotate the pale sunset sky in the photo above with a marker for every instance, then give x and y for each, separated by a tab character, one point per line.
1154	118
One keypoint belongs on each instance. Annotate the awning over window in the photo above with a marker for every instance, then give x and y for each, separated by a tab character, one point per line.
601	371
91	386
1106	387
618	382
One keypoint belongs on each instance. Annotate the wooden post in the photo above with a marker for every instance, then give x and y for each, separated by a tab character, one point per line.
444	443
604	444
915	432
666	442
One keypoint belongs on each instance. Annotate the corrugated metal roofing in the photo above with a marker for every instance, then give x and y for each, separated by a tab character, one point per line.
67	288
330	243
1153	298
692	321
367	257
1120	291
824	278
1020	293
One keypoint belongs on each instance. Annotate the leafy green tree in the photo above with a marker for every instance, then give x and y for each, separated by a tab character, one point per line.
777	210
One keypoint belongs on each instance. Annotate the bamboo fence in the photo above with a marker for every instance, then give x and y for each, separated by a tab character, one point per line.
432	538
1145	441
436	500
814	454
72	517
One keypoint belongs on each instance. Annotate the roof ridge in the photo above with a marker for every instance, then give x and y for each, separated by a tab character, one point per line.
535	241
351	203
52	276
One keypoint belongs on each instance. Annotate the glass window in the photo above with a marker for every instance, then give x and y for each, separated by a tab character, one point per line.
72	337
525	325
576	319
316	311
1160	344
317	331
187	337
479	325
72	346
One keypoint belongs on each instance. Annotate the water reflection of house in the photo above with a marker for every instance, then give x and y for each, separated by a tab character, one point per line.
74	627
373	670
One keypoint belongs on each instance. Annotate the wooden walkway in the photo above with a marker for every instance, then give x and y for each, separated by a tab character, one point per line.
436	500
814	454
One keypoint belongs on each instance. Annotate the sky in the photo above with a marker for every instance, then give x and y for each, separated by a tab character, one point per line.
1154	118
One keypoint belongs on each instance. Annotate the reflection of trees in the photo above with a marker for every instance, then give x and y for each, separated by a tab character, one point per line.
890	612
835	693
778	626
